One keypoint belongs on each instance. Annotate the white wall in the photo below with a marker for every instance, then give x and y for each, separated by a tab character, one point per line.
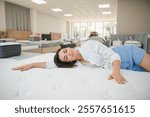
47	23
33	19
2	16
133	16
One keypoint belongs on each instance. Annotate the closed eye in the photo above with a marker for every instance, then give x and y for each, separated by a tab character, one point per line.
65	50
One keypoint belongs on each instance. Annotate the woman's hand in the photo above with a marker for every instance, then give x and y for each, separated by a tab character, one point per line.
24	67
117	77
116	73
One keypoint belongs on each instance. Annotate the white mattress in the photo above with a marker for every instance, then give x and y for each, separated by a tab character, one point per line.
68	83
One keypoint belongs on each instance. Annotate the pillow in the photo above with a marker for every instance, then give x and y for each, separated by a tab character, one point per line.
132	42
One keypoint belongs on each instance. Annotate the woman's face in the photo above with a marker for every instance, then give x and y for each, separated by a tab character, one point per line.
67	54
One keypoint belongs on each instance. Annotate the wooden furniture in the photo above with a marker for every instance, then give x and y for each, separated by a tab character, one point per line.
18	35
50	48
55	36
2	34
43	50
51	36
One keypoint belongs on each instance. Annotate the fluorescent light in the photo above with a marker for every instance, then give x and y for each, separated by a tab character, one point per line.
104	6
106	13
68	15
57	9
39	1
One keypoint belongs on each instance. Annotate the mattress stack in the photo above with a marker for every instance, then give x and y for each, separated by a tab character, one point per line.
9	49
7	40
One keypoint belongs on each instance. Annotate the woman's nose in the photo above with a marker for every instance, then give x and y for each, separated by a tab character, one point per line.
68	54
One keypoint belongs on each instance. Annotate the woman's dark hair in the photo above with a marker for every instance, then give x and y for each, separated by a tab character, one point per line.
60	63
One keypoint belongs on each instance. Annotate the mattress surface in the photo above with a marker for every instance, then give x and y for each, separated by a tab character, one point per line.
8	43
69	83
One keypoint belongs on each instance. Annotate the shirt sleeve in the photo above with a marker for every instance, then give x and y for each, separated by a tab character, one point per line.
108	54
50	65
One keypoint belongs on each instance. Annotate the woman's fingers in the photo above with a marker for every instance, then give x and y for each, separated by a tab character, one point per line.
122	80
111	77
23	68
118	79
26	68
18	68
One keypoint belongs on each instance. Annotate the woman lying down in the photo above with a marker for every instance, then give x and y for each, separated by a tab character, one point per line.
93	53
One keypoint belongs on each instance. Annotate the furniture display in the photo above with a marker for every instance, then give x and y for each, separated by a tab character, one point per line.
3	34
18	35
36	44
55	36
71	45
131	42
43	50
34	38
7	40
9	49
45	37
51	36
41	46
140	37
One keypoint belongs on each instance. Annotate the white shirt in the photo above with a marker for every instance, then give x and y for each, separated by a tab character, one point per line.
96	54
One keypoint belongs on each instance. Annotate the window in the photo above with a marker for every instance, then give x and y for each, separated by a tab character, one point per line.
76	30
91	26
109	28
82	29
99	28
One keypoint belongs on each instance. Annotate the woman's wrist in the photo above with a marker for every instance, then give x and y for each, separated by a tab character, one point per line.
116	67
38	65
32	65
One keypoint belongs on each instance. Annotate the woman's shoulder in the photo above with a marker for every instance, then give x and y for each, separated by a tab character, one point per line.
91	42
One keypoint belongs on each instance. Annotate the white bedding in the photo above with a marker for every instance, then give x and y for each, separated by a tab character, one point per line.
68	83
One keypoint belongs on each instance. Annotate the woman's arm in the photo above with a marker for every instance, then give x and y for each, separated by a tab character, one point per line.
30	66
116	75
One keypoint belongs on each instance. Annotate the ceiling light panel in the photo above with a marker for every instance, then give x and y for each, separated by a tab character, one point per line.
104	6
106	13
39	1
68	15
57	10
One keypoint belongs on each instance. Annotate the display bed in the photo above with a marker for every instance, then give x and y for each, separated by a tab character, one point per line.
9	49
68	83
